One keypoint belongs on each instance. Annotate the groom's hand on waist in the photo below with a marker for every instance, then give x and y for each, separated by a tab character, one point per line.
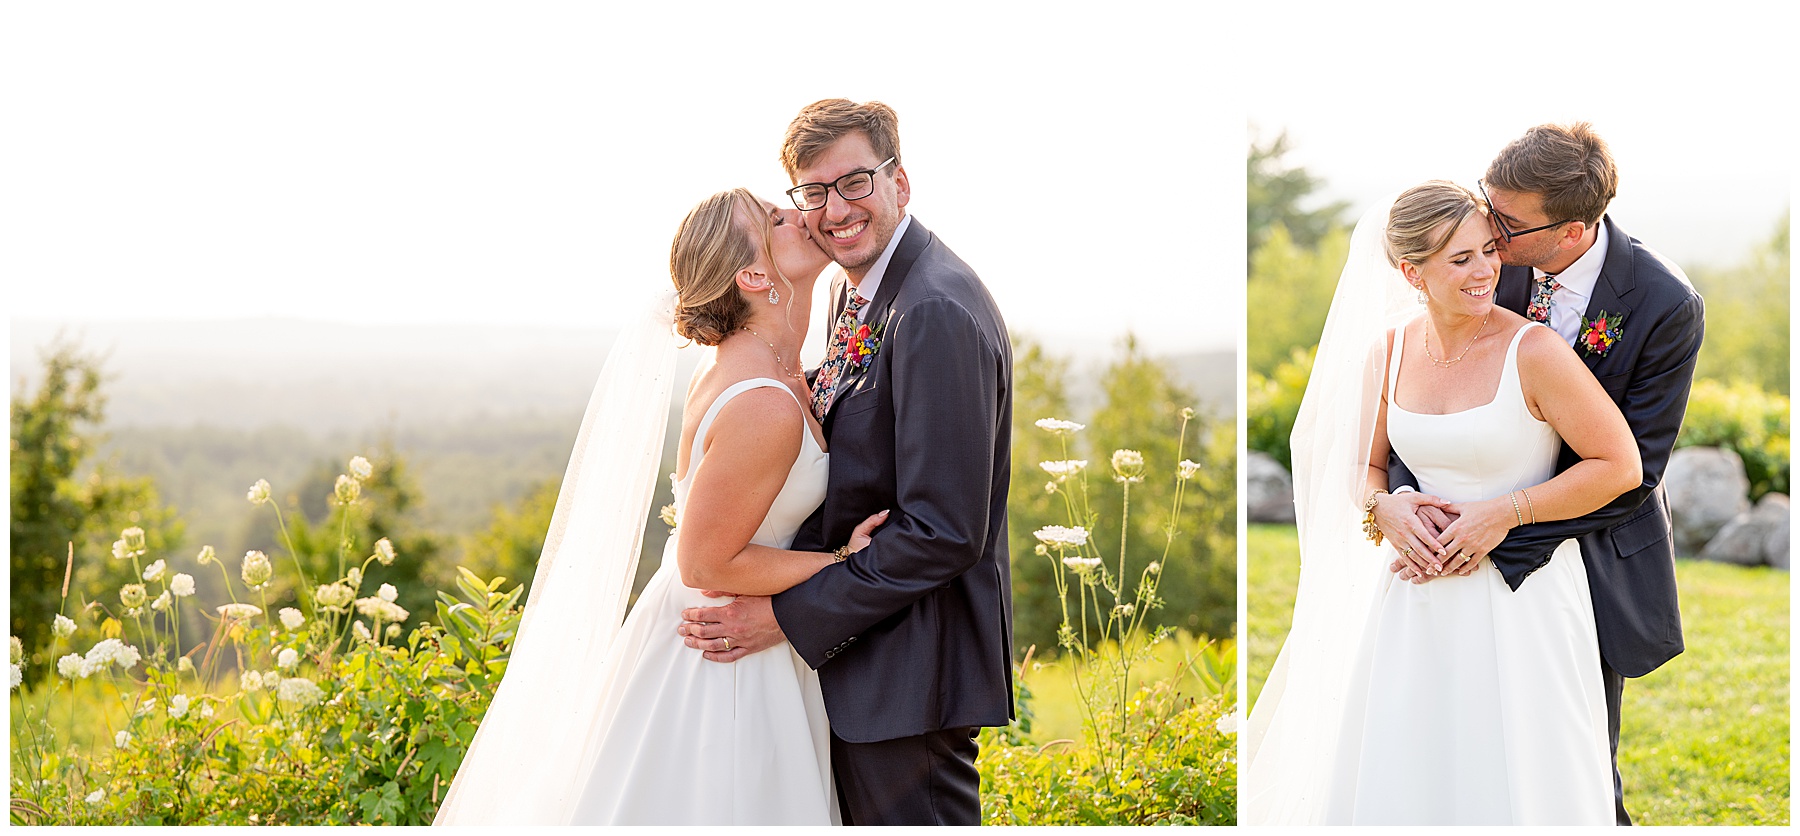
731	632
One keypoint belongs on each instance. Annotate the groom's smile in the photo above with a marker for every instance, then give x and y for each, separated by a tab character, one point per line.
855	232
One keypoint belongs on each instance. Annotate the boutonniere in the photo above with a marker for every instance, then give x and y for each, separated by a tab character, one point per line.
1600	333
864	343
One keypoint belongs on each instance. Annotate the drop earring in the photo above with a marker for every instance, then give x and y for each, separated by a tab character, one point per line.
774	295
1421	289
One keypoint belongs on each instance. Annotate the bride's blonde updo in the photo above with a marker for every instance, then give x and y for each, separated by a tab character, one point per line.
1424	219
710	248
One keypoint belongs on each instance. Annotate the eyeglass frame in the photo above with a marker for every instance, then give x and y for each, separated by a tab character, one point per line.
833	186
1505	233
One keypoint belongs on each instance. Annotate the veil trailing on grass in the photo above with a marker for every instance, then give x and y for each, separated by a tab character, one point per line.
533	745
1291	739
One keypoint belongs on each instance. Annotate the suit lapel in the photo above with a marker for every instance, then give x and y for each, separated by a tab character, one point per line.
881	307
1514	292
1613	292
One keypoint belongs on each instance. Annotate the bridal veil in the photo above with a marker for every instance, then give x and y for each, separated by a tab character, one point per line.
1291	738
528	756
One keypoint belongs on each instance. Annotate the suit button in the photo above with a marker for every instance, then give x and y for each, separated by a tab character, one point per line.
830	653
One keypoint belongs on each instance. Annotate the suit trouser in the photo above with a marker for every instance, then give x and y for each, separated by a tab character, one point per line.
925	779
1615	698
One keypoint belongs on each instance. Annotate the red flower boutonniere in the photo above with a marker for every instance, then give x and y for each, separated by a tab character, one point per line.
1600	333
864	343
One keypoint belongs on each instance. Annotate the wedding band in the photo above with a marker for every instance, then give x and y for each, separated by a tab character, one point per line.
1406	550
727	644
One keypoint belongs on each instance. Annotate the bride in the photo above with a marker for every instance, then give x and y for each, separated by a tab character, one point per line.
598	723
1455	699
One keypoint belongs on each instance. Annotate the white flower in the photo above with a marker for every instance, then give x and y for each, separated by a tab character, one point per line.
287	659
259	492
1186	469
122	739
384	551
17	677
63	627
388	593
18	651
1056	535
361	630
72	666
182	585
383	610
393	631
334	596
1228	723
353	577
1128	466
119	550
184	665
1154	568
1081	565
239	612
250	681
207	555
257	569
291	618
301	692
1059	427
178	706
134	539
96	796
162	601
271	680
111	651
155	571
206	711
1125	610
359	468
1063	469
346	490
147	706
132	595
1187	413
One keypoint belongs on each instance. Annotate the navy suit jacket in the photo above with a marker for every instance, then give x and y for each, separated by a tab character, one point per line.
913	633
1628	545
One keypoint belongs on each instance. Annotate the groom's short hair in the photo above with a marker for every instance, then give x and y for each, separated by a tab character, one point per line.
1569	166
826	121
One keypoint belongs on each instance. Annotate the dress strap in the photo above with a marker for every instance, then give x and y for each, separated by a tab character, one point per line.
1509	371
1393	375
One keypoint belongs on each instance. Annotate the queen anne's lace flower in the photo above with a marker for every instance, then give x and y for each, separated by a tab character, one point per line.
1081	565
1228	723
257	569
384	551
359	468
184	664
134	539
62	627
334	596
362	631
178	706
291	618
162	601
1056	535
1186	469
259	492
146	707
72	666
250	681
122	739
387	593
18	651
287	659
111	651
17	676
155	571
301	692
393	631
1063	469
346	490
132	595
182	585
119	550
96	796
384	610
1128	466
207	555
240	612
1058	426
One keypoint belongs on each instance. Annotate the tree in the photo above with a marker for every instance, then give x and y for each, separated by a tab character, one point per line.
1040	390
1747	318
1273	194
59	504
1288	295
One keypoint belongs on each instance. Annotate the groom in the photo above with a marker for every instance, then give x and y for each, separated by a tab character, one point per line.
911	636
1566	264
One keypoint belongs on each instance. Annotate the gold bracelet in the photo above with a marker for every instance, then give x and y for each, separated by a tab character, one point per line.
840	553
1515	501
1528	505
1370	529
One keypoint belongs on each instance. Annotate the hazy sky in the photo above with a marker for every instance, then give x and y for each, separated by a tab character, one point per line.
528	163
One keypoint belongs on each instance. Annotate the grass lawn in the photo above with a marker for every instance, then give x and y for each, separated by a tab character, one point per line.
1705	737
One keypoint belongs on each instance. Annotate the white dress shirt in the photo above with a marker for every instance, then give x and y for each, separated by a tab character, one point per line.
1575	288
871	281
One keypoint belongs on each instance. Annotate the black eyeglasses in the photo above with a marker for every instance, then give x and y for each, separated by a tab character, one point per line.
1507	233
853	186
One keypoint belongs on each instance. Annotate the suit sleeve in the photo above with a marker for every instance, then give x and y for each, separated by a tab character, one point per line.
946	379
1655	402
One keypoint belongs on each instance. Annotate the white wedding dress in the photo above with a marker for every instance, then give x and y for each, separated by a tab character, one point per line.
1469	702
681	740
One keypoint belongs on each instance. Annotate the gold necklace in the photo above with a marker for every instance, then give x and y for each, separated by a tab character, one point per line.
1465	352
783	363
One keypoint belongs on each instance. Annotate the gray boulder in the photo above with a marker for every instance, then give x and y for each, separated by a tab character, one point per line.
1707	489
1745	540
1269	490
1776	544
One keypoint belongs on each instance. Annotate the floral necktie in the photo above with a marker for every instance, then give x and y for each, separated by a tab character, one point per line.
836	357
1539	309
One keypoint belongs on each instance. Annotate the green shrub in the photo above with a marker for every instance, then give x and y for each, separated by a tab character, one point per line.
1274	401
1749	421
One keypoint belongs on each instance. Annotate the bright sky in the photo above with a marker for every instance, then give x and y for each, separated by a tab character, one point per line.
528	163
